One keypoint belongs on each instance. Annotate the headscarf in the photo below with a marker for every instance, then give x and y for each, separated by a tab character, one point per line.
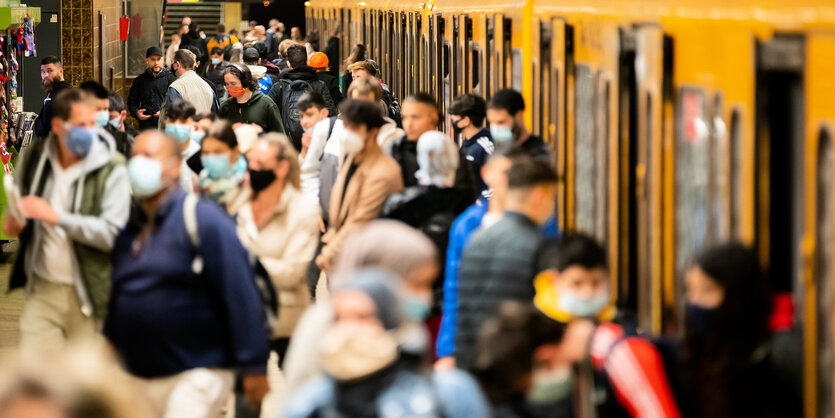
381	287
386	244
437	157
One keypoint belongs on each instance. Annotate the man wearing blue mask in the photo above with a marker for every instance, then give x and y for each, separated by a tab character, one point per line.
76	198
506	114
179	124
101	99
185	312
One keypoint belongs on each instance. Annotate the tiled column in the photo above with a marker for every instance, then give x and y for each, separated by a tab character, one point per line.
77	40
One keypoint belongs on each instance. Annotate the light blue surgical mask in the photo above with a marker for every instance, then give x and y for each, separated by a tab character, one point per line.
178	131
102	117
583	307
115	122
215	165
501	134
145	176
215	61
416	308
197	136
80	139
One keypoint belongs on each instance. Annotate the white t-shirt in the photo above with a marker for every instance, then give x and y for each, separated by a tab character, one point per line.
57	265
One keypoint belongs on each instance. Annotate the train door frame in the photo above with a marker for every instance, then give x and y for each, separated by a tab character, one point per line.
824	269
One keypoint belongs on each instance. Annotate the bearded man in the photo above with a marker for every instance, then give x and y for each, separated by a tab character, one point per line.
52	81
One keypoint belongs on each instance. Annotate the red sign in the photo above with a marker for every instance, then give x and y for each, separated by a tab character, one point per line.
124	25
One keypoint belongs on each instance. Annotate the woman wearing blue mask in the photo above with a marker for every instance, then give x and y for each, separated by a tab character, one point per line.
223	166
733	365
179	124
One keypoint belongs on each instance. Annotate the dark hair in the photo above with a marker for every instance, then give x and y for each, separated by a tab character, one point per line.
261	48
52	60
506	345
526	171
216	51
361	112
426	99
357	54
578	250
221	28
210	116
62	105
233	32
310	99
243	74
94	89
313	39
297	56
185	58
198	54
179	110
469	106
509	100
222	131
193	26
117	103
720	361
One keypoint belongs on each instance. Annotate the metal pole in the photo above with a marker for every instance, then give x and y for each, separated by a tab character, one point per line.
124	51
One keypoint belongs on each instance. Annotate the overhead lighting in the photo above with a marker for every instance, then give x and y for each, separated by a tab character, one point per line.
307	4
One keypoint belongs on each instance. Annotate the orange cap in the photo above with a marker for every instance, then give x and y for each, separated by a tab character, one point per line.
318	61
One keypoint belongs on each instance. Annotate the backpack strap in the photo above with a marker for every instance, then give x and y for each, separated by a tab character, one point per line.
190	220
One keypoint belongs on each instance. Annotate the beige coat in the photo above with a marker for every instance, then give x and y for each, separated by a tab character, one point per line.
377	177
285	246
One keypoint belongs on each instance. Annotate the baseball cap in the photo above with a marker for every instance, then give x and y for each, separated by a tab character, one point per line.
251	54
154	50
318	61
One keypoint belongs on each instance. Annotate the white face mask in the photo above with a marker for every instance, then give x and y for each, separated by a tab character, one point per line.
352	143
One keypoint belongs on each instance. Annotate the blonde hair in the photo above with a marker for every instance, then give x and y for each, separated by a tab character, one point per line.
285	152
366	85
364	66
285	45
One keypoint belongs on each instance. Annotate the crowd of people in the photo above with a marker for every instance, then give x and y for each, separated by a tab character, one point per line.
270	211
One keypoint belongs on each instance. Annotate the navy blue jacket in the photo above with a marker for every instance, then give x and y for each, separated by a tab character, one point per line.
477	150
163	319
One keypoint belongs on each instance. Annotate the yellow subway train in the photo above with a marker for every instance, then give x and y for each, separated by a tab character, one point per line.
673	124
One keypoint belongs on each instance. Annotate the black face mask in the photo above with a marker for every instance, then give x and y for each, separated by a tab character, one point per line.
260	179
456	130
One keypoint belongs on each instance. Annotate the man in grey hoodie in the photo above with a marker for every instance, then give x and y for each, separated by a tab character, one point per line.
75	199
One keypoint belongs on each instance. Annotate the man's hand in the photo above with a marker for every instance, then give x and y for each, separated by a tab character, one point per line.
10	226
34	207
142	116
306	138
255	387
445	364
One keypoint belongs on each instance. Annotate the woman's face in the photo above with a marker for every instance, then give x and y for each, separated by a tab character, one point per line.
214	146
355	307
419	281
231	81
702	290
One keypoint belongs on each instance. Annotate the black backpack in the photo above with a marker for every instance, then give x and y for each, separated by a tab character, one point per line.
290	93
393	107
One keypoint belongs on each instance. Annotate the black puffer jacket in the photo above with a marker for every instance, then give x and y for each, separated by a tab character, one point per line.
499	264
431	210
148	92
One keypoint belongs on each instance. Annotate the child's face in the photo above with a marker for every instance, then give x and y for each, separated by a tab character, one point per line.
582	282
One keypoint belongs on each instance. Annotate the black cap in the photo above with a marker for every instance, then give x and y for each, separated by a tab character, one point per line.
251	54
154	50
261	48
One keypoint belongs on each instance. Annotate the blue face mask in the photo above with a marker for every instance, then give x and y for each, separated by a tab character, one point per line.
115	122
698	320
216	165
80	140
197	136
416	308
102	117
501	134
178	132
583	307
145	176
215	61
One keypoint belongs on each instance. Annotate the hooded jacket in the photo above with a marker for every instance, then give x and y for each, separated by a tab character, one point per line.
193	38
148	92
43	124
305	74
214	73
101	203
259	110
332	81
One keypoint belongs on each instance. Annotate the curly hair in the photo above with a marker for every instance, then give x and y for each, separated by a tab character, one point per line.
242	73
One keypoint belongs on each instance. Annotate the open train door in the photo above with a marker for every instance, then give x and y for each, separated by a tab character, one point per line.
818	250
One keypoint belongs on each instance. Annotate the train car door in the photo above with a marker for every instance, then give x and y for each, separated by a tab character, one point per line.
819	242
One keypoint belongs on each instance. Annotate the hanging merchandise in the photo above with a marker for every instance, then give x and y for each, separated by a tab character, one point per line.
29	35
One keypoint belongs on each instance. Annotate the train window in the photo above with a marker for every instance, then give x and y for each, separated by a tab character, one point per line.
446	59
584	150
691	181
475	67
446	80
601	174
824	270
720	162
736	175
516	72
